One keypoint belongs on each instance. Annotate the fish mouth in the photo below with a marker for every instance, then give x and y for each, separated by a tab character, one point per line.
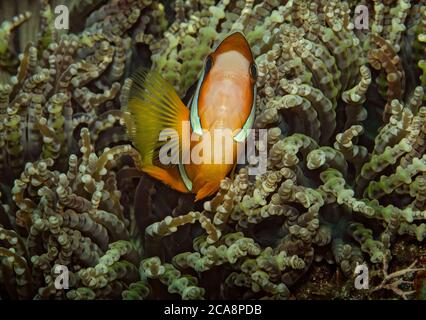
236	41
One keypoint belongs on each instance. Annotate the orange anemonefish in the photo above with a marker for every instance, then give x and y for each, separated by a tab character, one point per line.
224	98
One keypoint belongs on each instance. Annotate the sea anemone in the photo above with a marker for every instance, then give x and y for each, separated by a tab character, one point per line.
344	108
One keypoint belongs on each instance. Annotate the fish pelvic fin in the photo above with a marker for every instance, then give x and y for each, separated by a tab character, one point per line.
157	114
169	176
206	190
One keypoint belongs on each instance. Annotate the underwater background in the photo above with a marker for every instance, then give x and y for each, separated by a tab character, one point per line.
345	109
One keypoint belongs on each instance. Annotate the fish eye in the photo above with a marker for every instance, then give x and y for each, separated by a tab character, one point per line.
253	71
209	63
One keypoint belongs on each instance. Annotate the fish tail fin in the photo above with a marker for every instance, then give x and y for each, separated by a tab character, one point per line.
154	108
169	176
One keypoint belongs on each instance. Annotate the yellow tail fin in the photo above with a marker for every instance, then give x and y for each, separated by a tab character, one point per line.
154	106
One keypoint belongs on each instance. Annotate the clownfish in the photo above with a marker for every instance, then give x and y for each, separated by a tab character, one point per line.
224	99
